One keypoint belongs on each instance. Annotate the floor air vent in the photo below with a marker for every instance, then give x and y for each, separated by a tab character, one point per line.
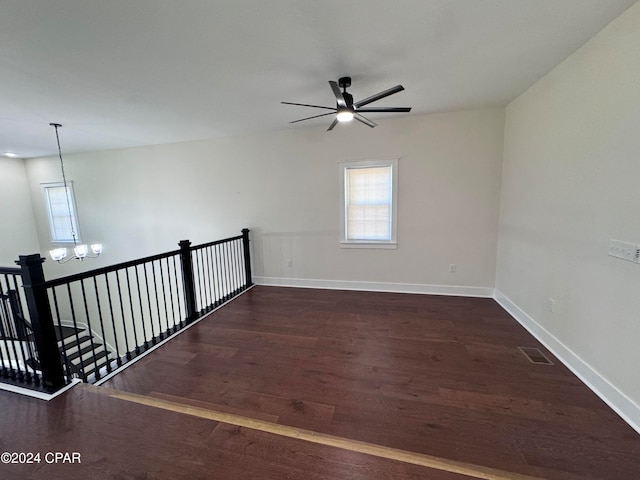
534	355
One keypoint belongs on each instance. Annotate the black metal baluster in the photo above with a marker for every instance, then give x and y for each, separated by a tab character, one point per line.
198	281
155	289
164	297
223	282
91	342
15	371
232	280
212	275
11	372
243	280
124	323
181	313
4	371
113	320
212	294
171	327
61	342
203	282
144	329
75	327
15	314
133	317
206	280
207	276
104	337
226	269
16	310
146	283
236	254
233	267
216	276
232	272
18	291
223	273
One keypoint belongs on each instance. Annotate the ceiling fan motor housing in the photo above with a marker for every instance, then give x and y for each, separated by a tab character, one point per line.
344	82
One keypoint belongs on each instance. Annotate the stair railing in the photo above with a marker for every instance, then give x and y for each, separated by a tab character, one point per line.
17	353
89	324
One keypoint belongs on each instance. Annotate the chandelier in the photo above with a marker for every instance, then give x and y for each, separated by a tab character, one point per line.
80	251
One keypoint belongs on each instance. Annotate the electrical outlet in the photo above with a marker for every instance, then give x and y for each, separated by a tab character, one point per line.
624	250
550	304
452	268
289	263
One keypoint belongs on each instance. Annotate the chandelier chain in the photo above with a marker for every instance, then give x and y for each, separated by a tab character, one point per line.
64	182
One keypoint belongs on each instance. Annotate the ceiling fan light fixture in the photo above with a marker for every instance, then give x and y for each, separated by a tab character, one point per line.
344	116
347	110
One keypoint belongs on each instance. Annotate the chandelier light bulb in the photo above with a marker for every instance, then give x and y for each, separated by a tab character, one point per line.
81	251
58	254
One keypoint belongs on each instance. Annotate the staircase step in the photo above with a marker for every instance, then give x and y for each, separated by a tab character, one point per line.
76	342
90	359
93	367
67	332
89	348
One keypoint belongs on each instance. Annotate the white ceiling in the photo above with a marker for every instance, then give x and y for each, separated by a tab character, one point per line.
123	73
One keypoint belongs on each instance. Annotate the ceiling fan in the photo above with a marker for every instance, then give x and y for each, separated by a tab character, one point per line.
346	110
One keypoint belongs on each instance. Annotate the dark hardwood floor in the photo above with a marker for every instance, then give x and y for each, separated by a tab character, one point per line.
430	375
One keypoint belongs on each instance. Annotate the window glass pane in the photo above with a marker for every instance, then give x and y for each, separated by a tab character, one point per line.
369	196
62	224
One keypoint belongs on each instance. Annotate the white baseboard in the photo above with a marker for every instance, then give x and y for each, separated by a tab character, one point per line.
617	400
37	394
451	290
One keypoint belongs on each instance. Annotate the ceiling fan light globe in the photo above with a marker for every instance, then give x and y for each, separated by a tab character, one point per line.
345	116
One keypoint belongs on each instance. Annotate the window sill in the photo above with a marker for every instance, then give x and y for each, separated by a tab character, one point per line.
380	245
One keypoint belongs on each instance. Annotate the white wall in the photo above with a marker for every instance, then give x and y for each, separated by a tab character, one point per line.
284	186
570	183
17	227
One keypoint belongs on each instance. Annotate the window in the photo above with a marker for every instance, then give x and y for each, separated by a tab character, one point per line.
61	226
368	206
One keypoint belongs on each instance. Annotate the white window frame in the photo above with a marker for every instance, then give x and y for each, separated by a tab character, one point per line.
343	168
74	212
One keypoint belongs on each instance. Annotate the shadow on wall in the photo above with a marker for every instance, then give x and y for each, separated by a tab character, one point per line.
293	254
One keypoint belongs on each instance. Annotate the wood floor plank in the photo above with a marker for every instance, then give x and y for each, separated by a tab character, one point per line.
432	375
124	440
452	466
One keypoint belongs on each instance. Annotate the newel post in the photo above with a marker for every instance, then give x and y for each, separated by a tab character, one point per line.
247	256
187	280
44	332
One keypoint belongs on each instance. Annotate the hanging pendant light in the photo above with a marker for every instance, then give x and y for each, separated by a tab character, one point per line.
80	251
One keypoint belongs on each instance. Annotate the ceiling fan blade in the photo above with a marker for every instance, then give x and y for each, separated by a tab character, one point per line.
315	116
307	105
364	120
378	96
333	124
385	109
338	94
